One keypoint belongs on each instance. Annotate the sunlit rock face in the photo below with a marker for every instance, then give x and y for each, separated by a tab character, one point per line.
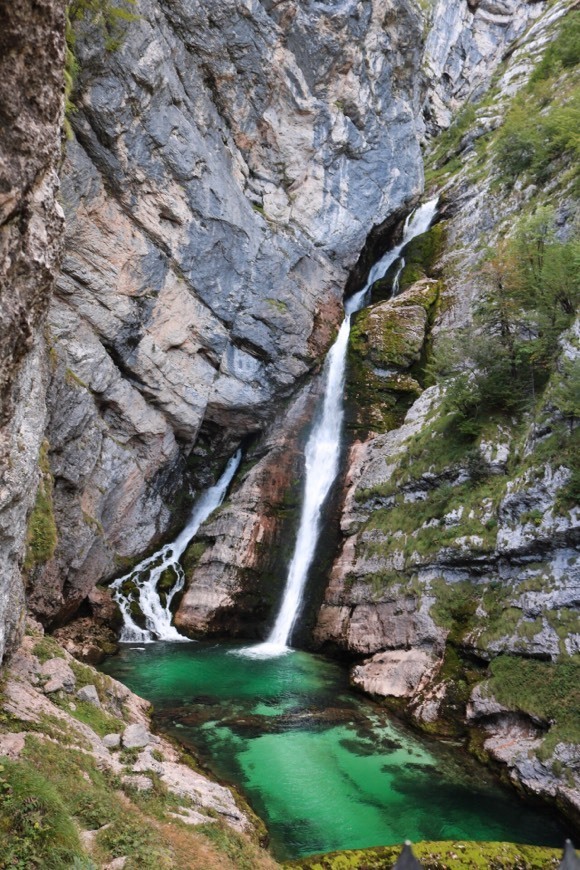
31	91
465	44
229	162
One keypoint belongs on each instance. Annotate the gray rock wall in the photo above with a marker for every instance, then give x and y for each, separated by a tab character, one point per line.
31	98
229	163
465	44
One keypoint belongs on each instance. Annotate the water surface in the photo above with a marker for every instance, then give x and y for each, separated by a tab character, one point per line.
323	767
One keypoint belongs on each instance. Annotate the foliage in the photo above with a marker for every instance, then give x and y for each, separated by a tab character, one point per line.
36	829
110	21
543	121
109	17
566	395
562	53
42	533
127	836
532	289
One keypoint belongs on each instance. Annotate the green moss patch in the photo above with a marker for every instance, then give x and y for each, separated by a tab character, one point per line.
191	557
47	648
42	534
439	856
545	690
385	339
422	254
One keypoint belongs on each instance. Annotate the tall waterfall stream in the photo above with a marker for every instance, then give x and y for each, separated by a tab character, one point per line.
325	768
323	447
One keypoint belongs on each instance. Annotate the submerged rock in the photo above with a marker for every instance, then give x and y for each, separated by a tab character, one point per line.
395	673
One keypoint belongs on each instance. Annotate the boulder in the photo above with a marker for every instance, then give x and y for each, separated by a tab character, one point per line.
394	673
136	736
89	694
60	676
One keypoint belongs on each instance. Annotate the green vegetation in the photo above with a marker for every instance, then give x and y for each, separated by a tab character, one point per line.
443	160
278	304
192	555
456	855
385	338
542	124
42	534
55	790
546	690
46	649
101	722
36	828
421	531
562	53
532	289
110	19
538	140
422	254
230	844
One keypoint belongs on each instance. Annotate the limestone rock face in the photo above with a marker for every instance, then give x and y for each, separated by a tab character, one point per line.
465	43
394	673
229	162
236	568
31	224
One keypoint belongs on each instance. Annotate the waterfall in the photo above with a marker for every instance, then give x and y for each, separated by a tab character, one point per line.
323	447
145	577
397	278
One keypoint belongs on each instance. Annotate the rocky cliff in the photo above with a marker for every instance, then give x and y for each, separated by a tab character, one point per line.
230	166
86	782
31	225
457	584
463	48
227	166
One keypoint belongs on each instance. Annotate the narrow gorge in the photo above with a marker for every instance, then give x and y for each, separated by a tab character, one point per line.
289	433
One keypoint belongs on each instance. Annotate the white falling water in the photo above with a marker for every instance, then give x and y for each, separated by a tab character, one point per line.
146	575
397	277
323	448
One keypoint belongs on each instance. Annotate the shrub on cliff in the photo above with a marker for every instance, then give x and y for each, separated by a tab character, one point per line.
502	361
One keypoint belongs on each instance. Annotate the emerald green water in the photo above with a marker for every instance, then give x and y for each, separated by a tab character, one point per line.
325	768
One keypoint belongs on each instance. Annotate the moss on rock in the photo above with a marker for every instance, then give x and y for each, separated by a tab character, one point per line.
192	555
450	855
385	340
42	533
421	255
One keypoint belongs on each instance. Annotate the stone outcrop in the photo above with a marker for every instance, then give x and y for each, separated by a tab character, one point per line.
31	225
394	673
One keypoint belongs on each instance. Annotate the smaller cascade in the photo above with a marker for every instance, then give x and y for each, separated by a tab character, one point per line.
140	585
397	278
322	452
